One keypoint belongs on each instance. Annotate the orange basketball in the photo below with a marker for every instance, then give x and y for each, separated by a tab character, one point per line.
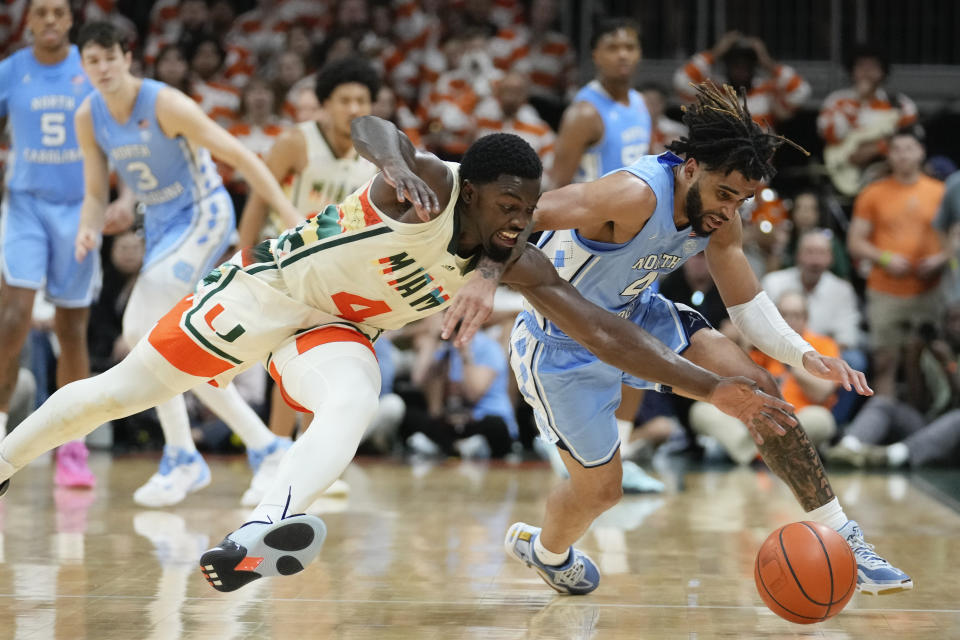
805	572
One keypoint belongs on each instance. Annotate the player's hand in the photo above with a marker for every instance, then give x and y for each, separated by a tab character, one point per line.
742	398
87	240
470	309
837	370
411	188
117	217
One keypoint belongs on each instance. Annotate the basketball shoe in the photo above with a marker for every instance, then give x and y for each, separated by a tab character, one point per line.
72	468
263	548
875	576
181	472
577	576
264	463
636	480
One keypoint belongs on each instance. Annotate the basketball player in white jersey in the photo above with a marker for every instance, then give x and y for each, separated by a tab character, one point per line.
309	303
317	164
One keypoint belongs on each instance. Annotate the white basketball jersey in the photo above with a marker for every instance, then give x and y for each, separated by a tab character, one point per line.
326	179
358	264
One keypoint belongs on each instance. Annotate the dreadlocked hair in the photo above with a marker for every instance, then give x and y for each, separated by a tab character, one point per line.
723	137
498	154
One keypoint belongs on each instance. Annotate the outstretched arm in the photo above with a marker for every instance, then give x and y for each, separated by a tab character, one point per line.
631	349
755	315
179	115
619	199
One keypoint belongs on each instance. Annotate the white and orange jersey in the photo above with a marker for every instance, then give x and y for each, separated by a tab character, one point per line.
526	123
664	132
783	90
356	263
326	179
843	112
548	61
219	100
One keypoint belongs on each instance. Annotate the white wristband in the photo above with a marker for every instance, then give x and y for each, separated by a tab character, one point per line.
761	323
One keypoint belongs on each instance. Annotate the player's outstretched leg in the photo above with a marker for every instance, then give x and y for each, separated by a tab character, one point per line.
339	382
794	459
577	576
142	380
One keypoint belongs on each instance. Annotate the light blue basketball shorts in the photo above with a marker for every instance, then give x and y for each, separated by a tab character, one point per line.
574	394
37	252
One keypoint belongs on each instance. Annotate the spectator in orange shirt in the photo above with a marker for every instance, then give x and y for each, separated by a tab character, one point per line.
773	94
218	99
171	68
893	228
257	128
664	130
811	396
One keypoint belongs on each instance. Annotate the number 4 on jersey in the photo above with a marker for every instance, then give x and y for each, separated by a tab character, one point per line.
639	285
357	308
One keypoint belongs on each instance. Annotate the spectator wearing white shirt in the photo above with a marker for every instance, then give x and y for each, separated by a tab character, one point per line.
834	309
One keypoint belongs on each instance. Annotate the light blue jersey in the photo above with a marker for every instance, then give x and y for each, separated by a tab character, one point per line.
41	207
189	218
167	176
626	132
40	101
573	394
618	277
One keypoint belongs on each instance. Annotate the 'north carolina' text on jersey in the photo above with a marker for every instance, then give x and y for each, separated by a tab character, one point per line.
626	132
40	101
617	277
166	175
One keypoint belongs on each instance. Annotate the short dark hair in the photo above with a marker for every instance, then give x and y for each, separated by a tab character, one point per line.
723	137
343	71
867	50
612	25
497	154
102	33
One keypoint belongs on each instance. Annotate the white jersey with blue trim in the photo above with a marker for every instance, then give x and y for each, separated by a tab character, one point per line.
618	277
166	174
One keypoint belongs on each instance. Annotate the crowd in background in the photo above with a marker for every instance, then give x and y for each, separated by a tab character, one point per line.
858	249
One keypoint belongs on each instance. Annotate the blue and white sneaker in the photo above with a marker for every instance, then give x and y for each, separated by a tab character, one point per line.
636	480
577	576
264	463
875	576
181	472
259	549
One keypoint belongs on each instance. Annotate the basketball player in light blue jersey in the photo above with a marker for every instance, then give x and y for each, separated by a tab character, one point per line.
158	139
607	126
40	89
623	232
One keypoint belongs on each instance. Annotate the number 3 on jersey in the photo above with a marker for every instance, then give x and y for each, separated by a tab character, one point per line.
639	285
357	308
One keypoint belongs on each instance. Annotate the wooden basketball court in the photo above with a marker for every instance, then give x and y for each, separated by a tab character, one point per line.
416	552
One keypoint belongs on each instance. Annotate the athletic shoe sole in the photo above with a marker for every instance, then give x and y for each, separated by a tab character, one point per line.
281	549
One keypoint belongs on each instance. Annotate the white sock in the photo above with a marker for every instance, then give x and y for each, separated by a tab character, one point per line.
851	442
175	424
830	514
230	407
897	454
548	557
3	423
